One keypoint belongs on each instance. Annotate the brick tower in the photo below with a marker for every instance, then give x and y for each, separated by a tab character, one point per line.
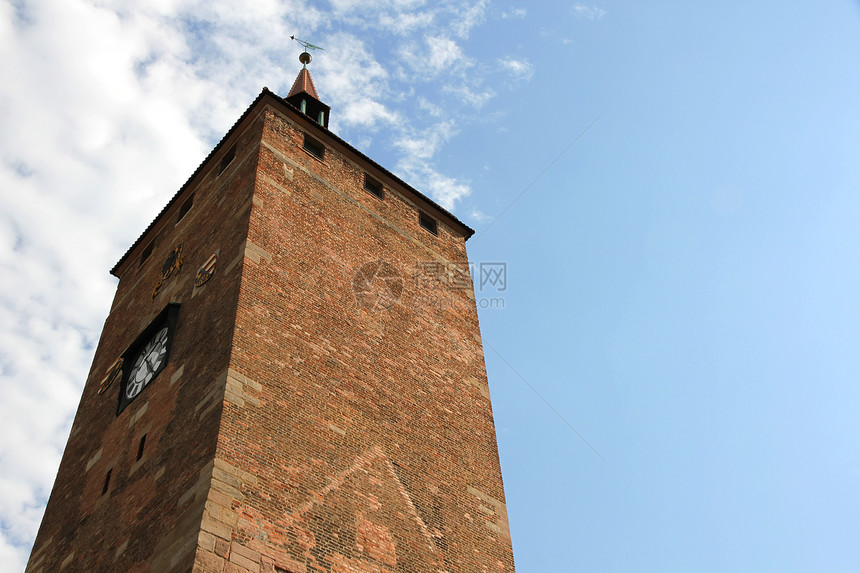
290	379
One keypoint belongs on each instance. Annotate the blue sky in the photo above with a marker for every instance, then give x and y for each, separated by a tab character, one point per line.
673	188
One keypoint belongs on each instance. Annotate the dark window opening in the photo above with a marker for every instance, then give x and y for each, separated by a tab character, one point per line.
185	207
107	481
429	223
146	252
140	446
225	161
373	186
313	147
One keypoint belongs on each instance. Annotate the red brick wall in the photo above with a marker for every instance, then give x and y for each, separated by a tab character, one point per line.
352	439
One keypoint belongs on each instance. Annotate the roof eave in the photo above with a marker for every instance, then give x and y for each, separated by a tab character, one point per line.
468	231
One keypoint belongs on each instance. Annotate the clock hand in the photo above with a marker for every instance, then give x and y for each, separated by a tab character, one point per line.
148	363
142	372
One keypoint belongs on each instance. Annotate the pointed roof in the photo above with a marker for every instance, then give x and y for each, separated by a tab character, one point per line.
305	84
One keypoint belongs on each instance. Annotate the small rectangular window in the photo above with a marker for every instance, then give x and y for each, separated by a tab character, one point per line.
146	252
185	207
313	147
427	222
107	481
228	157
373	186
140	446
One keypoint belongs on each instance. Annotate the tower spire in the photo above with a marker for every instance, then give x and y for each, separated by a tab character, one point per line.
304	84
303	94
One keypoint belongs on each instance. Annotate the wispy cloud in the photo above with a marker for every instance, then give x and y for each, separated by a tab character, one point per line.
514	14
587	12
432	56
405	23
423	145
418	150
367	113
355	83
519	69
435	110
478	216
475	99
470	17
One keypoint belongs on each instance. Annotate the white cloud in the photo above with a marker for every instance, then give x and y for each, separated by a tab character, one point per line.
346	6
354	82
404	23
474	99
367	113
585	12
446	190
478	216
433	57
431	108
416	164
519	69
424	145
443	53
514	14
470	17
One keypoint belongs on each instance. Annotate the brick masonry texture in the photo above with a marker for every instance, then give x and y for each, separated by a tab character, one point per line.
297	427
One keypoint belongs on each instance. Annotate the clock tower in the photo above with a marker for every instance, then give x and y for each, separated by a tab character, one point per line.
290	379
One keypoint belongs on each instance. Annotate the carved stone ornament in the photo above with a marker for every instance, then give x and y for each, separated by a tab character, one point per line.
205	272
171	264
114	373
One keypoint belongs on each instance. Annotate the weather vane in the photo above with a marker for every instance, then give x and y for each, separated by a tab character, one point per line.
305	57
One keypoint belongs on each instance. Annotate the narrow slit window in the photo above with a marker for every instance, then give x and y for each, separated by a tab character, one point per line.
146	252
107	481
225	161
313	147
140	446
373	186
428	223
185	207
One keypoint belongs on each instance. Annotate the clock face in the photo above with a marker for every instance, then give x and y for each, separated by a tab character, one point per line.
149	362
147	356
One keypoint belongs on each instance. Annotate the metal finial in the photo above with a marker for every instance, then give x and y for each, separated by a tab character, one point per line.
305	57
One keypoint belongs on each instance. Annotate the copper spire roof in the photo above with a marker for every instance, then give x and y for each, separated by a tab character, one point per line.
305	84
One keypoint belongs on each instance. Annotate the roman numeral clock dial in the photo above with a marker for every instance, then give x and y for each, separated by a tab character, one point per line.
147	356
